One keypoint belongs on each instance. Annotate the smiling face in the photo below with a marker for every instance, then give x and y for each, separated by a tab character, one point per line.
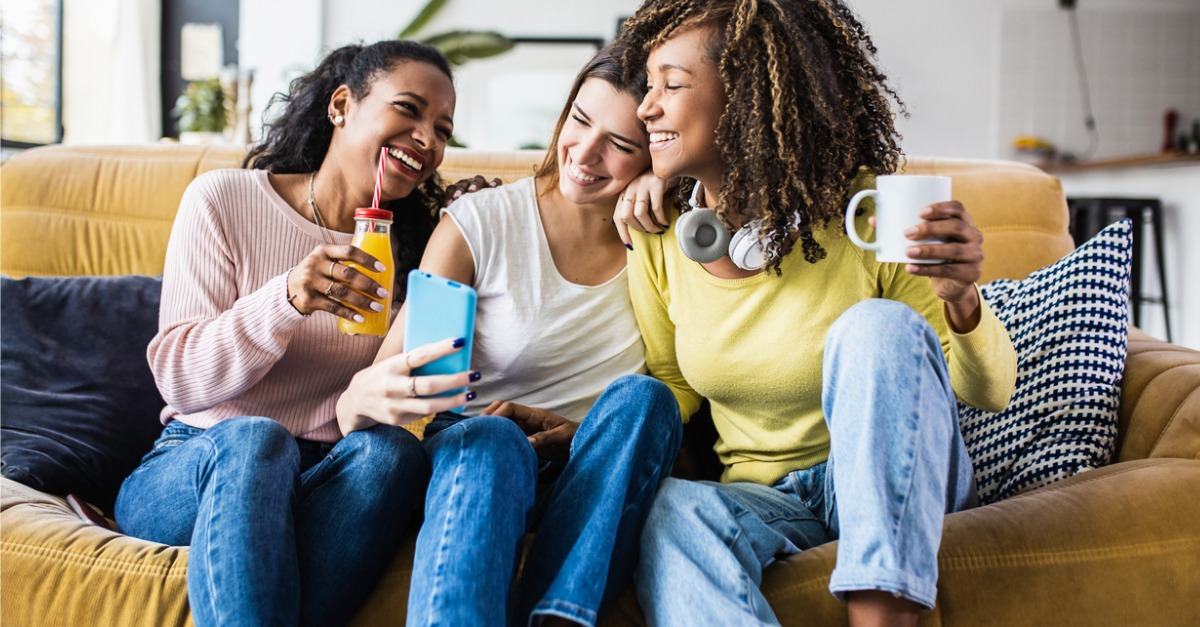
410	111
601	146
682	108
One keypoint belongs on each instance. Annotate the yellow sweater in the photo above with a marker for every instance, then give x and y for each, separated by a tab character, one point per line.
753	347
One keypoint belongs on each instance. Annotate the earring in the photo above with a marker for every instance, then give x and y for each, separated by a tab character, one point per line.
337	120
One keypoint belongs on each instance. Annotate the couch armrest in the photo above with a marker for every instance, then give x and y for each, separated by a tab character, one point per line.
59	570
1119	545
1160	400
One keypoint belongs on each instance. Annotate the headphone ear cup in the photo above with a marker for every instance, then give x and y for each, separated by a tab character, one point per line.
701	235
745	250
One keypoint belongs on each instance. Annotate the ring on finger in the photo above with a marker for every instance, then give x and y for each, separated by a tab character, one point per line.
329	290
331	265
412	387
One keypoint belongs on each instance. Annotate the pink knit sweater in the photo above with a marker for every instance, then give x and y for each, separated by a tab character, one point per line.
228	342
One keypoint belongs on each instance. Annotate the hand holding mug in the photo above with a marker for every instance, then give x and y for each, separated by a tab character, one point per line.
917	224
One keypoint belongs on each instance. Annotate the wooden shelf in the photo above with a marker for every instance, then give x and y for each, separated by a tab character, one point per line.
1132	161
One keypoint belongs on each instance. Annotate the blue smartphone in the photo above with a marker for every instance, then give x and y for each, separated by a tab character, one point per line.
437	308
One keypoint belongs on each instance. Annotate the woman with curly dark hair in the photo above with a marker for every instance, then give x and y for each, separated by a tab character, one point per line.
253	471
832	376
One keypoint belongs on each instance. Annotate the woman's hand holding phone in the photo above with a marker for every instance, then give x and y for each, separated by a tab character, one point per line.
389	393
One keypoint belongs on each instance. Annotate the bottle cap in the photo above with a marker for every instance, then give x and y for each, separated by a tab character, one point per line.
372	214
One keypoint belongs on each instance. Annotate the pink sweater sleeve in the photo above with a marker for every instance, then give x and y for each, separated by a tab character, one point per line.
213	342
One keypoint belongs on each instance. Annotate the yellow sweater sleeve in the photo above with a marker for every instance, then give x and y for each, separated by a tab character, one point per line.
983	363
649	291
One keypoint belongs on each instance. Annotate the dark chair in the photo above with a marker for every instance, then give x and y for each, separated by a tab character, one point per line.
1090	215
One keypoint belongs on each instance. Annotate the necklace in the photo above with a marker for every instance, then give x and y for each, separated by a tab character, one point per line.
312	206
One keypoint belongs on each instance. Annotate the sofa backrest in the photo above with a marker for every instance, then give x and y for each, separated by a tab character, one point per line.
108	210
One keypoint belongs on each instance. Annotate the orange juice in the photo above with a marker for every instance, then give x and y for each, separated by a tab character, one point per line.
373	236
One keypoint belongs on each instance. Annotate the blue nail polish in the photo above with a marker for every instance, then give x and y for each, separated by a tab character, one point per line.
475	376
459	343
470	396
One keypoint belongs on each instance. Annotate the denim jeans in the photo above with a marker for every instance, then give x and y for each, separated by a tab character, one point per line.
281	531
897	465
489	488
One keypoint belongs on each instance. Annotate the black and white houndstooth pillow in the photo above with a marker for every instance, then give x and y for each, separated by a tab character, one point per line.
1069	323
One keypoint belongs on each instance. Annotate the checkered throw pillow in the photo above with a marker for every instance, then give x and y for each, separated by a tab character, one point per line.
1069	324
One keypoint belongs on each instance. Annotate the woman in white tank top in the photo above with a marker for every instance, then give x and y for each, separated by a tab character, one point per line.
539	448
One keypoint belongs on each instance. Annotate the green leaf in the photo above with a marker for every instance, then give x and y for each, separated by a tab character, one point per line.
461	46
426	13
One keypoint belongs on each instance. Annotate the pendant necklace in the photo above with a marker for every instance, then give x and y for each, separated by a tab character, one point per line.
312	206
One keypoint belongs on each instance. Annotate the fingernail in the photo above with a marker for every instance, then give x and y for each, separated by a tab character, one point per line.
629	246
376	306
926	212
472	187
457	193
475	376
382	292
913	251
459	343
470	396
359	319
379	267
910	231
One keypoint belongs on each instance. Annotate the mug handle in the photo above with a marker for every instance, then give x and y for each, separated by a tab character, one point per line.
850	209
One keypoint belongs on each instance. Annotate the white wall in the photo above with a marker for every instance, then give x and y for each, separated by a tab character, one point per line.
278	39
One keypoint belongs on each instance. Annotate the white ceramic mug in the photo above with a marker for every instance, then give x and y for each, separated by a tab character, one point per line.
899	199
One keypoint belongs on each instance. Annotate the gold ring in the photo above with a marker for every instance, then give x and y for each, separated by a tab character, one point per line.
412	387
328	291
331	265
639	202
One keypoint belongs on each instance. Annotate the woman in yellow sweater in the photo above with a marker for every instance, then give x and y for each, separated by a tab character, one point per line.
832	377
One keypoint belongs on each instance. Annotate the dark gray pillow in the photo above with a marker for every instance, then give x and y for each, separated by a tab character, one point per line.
78	405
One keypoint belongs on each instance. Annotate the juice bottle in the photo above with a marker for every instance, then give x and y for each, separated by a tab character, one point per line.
373	234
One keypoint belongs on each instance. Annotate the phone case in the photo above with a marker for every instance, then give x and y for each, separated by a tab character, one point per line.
436	309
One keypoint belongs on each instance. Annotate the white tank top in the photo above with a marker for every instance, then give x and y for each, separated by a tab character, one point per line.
540	340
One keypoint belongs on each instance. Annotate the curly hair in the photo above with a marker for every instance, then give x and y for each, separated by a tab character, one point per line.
298	139
807	108
605	65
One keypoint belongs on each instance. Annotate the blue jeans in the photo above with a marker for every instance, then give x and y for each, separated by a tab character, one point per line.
489	488
282	532
897	465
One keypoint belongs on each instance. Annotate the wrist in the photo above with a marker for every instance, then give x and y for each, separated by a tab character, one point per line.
963	314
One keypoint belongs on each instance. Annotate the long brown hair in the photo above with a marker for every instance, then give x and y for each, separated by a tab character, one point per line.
806	108
606	65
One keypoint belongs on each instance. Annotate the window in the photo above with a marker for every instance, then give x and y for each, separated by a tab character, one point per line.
31	82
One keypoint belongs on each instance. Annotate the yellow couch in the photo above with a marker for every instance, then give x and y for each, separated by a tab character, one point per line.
1114	546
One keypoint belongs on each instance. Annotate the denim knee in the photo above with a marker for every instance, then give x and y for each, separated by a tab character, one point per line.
386	450
643	399
255	440
490	439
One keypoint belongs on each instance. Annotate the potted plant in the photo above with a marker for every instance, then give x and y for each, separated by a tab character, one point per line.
201	112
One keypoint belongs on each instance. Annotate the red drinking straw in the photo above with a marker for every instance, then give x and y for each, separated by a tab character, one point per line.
379	177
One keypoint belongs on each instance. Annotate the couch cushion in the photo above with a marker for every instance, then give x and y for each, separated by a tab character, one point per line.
79	403
1069	323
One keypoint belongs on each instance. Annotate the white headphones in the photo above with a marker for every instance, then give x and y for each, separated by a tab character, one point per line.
703	238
